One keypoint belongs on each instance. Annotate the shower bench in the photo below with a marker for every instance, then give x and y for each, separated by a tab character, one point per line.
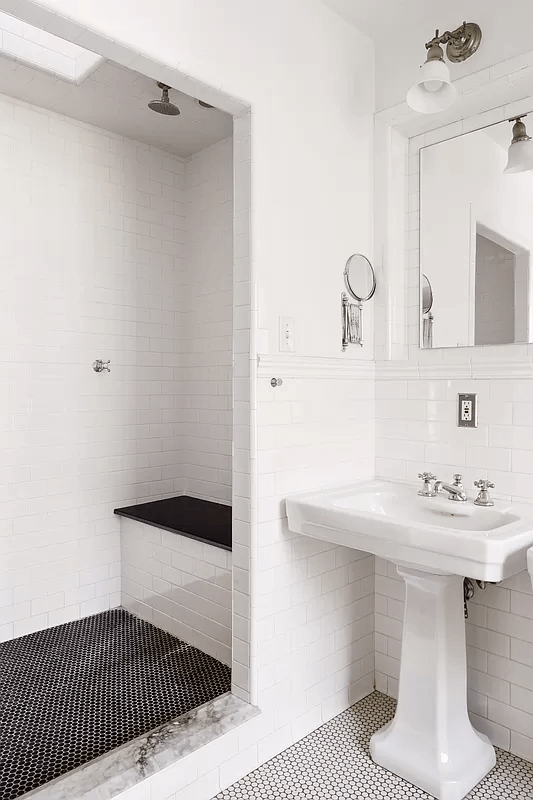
177	569
188	516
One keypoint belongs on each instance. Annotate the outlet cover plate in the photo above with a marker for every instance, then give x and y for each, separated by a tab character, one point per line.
467	411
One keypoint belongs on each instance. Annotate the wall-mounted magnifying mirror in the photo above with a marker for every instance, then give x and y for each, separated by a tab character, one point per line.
360	278
360	281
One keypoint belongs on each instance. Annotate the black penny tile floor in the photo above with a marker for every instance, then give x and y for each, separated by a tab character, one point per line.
334	763
71	693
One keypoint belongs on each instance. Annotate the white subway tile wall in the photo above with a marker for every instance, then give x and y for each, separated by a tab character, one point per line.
179	584
416	429
104	273
207	346
92	267
314	602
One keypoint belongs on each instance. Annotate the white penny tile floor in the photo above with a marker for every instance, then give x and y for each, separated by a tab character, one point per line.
333	763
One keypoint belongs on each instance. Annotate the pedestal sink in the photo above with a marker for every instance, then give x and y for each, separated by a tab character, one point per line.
434	542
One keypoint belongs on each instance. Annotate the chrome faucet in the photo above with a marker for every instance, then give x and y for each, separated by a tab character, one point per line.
455	490
427	490
483	498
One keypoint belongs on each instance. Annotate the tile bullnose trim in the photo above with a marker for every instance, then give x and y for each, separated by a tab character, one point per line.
502	369
479	368
315	367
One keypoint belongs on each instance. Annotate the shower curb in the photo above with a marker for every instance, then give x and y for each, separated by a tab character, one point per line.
121	769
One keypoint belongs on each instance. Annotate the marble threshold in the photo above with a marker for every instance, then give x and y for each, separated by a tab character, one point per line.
121	769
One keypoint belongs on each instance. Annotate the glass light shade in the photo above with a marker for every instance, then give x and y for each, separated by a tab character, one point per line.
520	157
433	91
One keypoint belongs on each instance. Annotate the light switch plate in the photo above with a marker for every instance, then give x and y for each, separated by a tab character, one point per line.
286	334
467	411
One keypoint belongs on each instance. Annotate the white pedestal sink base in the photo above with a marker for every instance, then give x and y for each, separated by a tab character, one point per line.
431	742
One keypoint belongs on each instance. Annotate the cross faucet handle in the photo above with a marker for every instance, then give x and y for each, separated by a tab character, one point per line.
484	498
427	490
427	476
484	484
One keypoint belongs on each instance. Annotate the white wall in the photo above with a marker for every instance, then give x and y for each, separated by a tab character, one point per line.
178	584
207	350
91	268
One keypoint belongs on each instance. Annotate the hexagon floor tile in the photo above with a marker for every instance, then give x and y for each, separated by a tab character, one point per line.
333	763
71	693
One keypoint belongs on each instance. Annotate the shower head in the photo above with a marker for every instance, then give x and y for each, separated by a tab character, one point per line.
164	106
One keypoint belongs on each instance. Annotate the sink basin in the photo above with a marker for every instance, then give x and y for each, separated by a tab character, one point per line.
432	533
434	542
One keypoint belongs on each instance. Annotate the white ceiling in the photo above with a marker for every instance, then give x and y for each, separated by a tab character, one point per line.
116	98
400	29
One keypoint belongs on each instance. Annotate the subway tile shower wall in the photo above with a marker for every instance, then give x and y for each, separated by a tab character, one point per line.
206	426
416	428
102	273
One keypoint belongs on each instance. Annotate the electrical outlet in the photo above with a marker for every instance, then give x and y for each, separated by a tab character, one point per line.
467	411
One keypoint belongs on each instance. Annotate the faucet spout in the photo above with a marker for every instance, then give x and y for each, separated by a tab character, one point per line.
455	490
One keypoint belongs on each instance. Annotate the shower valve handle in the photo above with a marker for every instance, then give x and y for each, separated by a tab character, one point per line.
101	366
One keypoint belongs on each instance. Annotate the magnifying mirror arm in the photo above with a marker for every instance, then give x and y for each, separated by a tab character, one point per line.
352	322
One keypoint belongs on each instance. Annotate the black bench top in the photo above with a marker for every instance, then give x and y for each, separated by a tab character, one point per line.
203	520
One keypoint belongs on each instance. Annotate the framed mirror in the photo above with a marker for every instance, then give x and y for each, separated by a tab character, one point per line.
476	241
360	278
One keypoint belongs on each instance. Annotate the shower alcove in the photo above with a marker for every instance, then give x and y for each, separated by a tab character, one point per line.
117	628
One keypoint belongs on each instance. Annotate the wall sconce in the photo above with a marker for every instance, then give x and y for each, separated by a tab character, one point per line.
434	91
520	158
